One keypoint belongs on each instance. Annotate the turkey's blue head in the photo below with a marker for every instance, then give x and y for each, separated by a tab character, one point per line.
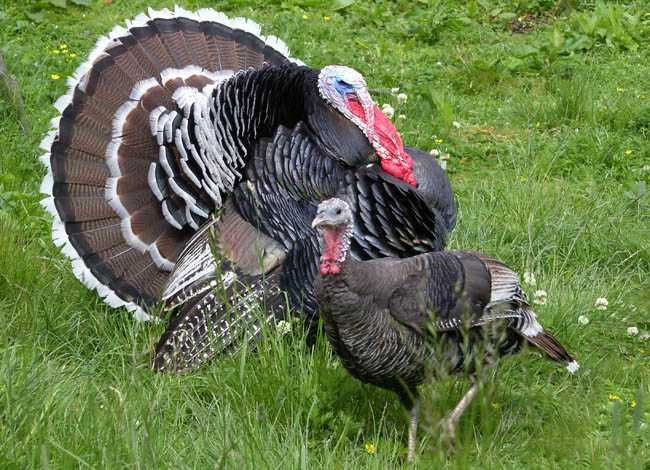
346	91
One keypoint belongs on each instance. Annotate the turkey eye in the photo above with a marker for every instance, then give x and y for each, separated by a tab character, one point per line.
338	211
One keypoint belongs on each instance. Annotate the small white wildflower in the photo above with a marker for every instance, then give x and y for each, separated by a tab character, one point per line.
402	98
439	64
632	331
388	110
284	327
645	168
601	303
583	319
456	124
395	90
401	116
443	161
540	297
529	278
435	153
645	336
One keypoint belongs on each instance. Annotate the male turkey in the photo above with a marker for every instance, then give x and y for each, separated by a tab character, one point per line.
153	153
390	320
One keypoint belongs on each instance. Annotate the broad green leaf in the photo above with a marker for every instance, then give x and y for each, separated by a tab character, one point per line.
58	3
341	4
35	16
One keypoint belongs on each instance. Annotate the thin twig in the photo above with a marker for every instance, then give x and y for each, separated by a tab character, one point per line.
9	87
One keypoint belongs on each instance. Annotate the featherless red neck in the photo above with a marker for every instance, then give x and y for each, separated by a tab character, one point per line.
335	247
386	141
334	221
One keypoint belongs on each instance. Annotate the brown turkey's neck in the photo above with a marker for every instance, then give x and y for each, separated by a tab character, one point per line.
336	242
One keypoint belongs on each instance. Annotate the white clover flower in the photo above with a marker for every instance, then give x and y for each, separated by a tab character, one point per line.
456	124
583	319
401	116
284	327
645	336
601	303
529	278
632	331
435	153
402	98
395	90
443	161
388	110
540	297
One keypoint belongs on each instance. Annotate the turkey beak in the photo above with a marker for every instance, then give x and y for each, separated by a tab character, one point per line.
318	221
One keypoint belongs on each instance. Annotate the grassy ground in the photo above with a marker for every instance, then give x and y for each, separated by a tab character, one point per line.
544	109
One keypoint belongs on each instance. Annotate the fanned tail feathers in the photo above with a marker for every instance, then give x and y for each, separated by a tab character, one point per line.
124	195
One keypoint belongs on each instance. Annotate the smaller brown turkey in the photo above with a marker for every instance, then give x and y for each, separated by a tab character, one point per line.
392	320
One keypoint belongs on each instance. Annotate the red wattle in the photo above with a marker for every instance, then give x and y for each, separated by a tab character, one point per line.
328	268
397	163
329	260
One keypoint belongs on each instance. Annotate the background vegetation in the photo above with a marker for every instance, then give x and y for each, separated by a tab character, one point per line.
543	109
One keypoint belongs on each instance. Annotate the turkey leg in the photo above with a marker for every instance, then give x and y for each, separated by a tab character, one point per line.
413	429
449	424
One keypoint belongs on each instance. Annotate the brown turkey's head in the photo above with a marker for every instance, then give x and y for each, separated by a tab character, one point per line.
346	91
334	221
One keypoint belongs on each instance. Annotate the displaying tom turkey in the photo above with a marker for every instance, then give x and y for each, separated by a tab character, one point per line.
390	320
188	134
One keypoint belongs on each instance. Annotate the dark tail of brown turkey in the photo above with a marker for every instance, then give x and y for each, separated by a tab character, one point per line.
123	232
547	343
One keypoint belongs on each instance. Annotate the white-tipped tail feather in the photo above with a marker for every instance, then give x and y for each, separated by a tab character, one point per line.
572	367
80	80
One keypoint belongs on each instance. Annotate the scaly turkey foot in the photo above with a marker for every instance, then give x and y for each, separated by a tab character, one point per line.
448	433
449	423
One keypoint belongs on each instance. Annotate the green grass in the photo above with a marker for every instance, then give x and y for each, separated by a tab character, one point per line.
543	180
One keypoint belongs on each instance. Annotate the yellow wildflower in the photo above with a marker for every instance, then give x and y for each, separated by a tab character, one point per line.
72	55
63	47
55	76
495	405
370	447
55	51
614	397
304	17
633	404
620	90
438	141
327	18
629	152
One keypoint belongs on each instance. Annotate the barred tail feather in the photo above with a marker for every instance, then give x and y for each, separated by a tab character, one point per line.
506	292
221	313
124	204
547	343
